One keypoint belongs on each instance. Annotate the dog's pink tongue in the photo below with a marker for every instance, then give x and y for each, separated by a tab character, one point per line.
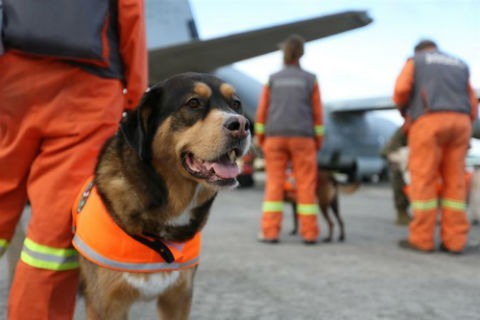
226	171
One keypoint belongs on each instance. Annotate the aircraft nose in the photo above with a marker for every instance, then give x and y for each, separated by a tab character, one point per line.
237	126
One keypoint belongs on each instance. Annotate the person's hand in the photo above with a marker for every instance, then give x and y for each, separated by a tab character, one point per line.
259	140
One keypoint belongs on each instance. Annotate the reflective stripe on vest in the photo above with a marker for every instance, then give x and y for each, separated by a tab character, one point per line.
99	239
307	209
50	258
130	266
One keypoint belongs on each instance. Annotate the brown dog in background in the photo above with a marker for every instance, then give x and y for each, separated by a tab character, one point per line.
327	191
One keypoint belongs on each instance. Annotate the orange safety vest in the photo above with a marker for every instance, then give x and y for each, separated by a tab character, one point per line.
99	239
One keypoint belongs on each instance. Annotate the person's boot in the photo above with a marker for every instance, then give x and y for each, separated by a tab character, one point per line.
270	227
403	219
309	230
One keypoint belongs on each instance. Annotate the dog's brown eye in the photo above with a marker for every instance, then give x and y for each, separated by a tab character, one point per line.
193	103
236	104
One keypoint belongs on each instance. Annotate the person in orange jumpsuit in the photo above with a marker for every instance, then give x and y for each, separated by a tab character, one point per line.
58	104
289	128
434	90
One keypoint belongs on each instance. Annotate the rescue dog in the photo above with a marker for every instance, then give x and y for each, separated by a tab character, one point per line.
327	190
399	159
157	179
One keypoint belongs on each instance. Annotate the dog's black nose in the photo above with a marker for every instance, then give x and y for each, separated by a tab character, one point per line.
237	126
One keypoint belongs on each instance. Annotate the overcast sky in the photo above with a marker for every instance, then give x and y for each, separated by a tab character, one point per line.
360	63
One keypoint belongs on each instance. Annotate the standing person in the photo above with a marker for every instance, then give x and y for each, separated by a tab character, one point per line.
289	127
434	89
64	83
397	141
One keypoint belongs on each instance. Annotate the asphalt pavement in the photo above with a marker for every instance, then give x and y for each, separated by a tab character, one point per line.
367	277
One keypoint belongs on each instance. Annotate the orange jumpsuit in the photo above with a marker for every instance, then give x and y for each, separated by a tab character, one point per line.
301	151
438	143
54	118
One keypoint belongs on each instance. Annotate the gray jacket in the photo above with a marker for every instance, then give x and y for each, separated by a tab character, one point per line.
290	112
72	30
441	84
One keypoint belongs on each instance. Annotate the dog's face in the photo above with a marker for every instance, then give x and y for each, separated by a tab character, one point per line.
191	124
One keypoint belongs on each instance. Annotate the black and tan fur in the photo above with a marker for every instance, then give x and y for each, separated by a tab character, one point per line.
327	191
151	179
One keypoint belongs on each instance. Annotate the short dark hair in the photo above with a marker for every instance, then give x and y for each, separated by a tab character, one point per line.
425	44
292	48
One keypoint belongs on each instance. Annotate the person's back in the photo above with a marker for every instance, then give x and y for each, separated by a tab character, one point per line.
441	83
290	110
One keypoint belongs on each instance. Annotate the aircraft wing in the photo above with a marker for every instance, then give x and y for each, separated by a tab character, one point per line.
369	104
361	105
208	55
381	103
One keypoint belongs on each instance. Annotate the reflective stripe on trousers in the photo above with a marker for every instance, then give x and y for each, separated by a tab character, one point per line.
424	204
272	206
302	208
445	203
307	209
50	258
454	204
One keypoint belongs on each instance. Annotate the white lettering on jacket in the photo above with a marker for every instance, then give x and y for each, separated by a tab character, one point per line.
436	58
289	82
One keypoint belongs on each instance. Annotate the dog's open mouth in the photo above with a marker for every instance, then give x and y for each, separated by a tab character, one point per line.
221	171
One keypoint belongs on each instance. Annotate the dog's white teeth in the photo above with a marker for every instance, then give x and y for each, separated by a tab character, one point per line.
232	156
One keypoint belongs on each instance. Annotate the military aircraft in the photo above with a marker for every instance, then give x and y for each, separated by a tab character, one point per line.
354	134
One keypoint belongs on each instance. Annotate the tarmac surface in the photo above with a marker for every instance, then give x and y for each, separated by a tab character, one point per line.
367	277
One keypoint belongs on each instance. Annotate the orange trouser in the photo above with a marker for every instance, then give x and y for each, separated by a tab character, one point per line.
438	145
303	156
53	120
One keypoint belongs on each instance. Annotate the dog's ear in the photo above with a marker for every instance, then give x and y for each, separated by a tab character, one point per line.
136	125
